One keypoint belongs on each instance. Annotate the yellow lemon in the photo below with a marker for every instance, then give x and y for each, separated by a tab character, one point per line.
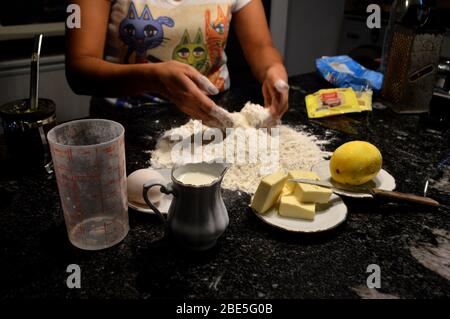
355	163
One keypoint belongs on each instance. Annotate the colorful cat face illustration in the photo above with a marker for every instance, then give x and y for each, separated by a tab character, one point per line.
142	32
216	35
192	53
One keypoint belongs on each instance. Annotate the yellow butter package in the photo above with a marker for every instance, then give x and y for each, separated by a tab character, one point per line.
332	102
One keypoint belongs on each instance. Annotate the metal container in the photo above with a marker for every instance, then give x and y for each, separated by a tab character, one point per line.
412	68
443	80
25	131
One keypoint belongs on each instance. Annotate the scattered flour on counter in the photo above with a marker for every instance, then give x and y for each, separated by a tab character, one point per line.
297	149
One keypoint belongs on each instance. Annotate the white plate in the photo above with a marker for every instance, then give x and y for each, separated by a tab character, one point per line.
328	216
383	180
164	204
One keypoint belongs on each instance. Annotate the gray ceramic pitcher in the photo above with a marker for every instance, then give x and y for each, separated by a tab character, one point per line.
197	216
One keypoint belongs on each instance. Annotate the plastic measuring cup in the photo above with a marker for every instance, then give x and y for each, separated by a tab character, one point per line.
89	163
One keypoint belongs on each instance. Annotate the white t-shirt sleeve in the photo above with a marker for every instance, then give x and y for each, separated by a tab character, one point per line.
239	4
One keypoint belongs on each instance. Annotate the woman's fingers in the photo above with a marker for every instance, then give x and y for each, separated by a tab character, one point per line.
284	102
201	81
199	114
211	108
267	97
205	84
276	95
202	107
198	97
207	119
276	90
274	101
282	96
186	87
223	116
281	86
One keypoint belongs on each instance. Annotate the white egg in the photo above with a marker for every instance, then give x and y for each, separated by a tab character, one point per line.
136	181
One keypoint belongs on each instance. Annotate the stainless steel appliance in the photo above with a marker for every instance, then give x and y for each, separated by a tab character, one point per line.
443	77
412	57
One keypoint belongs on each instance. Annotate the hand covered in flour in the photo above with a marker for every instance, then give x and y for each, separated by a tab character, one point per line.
275	90
188	89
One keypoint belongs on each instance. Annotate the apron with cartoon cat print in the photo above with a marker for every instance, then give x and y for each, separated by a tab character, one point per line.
189	31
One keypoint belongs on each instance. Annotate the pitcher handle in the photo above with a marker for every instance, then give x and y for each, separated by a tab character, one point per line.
165	189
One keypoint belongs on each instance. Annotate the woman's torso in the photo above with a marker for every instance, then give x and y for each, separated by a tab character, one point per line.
189	31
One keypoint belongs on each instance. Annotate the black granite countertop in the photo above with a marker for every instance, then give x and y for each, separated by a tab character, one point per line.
251	260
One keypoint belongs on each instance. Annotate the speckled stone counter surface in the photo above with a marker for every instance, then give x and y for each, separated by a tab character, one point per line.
251	260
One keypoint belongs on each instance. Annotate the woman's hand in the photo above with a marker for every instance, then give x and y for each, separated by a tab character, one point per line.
276	90
187	89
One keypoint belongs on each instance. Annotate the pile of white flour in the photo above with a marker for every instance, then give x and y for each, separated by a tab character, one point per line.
294	149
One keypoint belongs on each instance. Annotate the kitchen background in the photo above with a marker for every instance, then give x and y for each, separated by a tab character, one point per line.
302	30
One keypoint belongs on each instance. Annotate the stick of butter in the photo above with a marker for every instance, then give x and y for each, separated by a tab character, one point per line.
289	187
291	207
306	193
268	192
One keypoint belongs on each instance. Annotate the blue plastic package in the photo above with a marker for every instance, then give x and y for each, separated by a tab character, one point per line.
344	72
